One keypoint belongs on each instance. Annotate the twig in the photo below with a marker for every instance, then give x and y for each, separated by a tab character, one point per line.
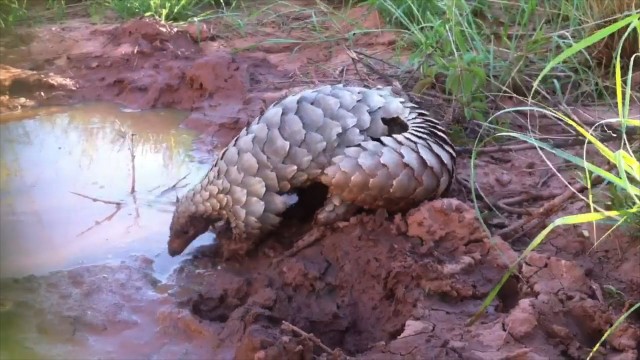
174	186
354	57
528	223
133	165
415	70
100	222
307	240
375	58
466	184
116	203
507	203
355	66
545	179
290	327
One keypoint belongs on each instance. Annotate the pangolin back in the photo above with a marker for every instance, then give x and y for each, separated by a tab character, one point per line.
370	147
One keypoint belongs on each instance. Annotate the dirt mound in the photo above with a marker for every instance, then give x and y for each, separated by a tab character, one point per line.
355	288
382	288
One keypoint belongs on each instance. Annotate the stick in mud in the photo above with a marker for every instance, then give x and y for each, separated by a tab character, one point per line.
174	186
117	203
307	240
133	164
336	353
100	222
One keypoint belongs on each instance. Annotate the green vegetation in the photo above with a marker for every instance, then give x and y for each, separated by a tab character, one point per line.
165	10
15	11
622	171
484	48
12	11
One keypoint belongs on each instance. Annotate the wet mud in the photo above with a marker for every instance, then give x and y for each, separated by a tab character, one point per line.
381	286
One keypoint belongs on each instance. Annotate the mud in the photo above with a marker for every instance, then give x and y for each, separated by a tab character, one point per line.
381	286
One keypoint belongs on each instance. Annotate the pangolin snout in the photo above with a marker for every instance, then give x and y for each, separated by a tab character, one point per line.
175	248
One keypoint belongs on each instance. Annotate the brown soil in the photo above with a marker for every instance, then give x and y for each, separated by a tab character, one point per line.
378	287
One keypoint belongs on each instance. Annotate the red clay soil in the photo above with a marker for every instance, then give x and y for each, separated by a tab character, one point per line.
381	286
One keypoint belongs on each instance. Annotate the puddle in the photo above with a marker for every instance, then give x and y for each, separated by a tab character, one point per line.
57	161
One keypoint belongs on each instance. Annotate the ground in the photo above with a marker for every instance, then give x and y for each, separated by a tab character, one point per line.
382	286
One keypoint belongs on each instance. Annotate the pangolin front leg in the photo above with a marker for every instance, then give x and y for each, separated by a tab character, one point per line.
334	210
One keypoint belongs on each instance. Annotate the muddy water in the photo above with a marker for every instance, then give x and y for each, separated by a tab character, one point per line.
97	248
66	179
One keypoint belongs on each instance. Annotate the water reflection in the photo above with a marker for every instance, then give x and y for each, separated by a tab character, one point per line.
66	180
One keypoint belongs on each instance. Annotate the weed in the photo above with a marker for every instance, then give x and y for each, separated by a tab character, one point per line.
626	176
12	11
167	10
97	10
58	7
486	48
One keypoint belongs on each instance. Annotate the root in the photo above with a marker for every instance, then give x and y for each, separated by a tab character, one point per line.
538	216
307	240
336	354
507	204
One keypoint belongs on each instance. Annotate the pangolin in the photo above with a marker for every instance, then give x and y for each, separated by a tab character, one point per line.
371	148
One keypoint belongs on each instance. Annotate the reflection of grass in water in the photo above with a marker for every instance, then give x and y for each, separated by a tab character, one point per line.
92	127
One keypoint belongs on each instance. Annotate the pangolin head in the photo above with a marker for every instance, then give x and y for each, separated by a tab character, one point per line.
186	225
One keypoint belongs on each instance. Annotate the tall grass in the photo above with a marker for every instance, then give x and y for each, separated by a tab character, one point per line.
625	173
487	47
12	11
165	10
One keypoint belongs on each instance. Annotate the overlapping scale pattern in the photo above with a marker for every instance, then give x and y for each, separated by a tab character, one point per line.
338	135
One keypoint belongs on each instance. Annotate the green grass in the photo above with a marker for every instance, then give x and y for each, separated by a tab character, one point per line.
623	171
485	48
165	10
12	11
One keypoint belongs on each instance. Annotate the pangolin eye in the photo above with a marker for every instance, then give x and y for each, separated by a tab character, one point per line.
185	232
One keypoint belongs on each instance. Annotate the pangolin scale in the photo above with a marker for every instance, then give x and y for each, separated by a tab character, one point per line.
371	148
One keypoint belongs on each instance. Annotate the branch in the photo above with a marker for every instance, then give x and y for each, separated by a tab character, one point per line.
528	223
116	203
133	165
100	222
336	353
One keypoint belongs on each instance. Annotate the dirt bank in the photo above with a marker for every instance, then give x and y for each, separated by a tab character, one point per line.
378	287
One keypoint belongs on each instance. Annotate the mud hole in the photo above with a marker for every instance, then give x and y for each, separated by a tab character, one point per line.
381	286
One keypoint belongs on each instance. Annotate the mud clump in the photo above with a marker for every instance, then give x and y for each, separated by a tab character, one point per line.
106	311
357	287
390	288
562	304
23	88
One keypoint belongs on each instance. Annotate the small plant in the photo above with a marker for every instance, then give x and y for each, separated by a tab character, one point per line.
623	171
166	10
96	11
12	11
58	7
482	49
